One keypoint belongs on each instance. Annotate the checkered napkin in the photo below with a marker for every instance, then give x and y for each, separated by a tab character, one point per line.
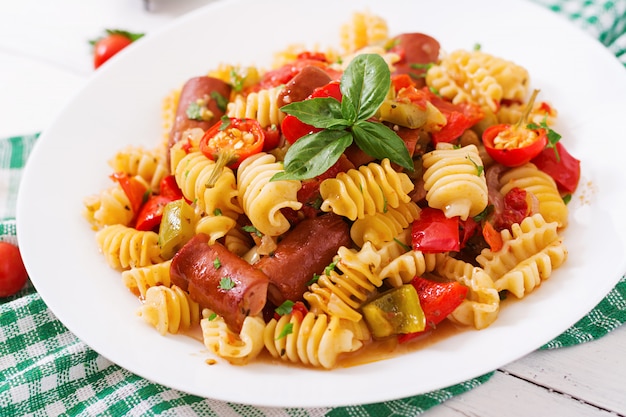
47	371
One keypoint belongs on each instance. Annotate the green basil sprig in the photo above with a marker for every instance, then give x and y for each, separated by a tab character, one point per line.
364	86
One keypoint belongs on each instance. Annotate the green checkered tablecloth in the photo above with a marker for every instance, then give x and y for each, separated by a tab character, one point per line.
47	371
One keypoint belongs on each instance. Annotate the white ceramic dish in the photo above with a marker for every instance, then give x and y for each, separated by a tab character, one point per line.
121	105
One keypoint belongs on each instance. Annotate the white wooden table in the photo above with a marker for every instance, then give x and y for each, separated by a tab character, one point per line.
45	59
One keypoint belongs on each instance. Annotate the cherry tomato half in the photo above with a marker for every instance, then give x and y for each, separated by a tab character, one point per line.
514	156
13	273
232	140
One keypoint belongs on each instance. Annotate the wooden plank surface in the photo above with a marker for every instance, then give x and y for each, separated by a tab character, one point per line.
585	380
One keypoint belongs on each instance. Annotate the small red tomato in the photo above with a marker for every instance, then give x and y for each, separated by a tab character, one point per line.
13	273
111	44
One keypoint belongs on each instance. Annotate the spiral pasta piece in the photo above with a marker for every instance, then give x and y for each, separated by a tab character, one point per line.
529	178
342	293
315	340
238	242
192	174
481	305
110	207
402	269
239	348
363	29
530	252
262	200
541	111
455	181
215	227
477	77
138	280
261	106
371	189
125	247
148	164
169	309
383	227
168	111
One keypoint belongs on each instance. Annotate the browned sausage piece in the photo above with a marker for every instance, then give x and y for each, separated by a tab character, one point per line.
305	251
417	50
218	279
302	85
198	88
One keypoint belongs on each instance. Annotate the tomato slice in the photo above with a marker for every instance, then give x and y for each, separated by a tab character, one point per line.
232	140
514	156
565	170
438	300
433	232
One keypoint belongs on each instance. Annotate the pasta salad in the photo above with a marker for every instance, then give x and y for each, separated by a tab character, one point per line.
340	200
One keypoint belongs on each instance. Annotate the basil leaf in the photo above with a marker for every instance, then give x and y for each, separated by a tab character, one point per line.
365	83
381	142
321	112
313	154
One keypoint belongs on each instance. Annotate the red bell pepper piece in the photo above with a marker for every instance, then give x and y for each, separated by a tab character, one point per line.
438	300
565	169
433	232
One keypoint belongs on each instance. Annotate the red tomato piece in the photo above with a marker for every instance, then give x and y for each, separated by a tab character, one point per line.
565	170
492	237
433	232
169	188
513	157
293	129
459	117
13	275
438	300
272	138
515	209
232	140
135	190
114	41
150	215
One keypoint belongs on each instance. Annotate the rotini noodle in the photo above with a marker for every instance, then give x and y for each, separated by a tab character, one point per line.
239	348
262	199
110	207
138	280
124	247
365	191
261	106
455	181
379	228
530	251
482	304
192	174
315	340
169	309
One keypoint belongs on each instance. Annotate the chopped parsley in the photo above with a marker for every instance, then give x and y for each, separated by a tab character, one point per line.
226	283
252	229
285	308
287	330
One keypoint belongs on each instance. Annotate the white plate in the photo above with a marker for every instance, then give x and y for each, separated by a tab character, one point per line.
121	106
